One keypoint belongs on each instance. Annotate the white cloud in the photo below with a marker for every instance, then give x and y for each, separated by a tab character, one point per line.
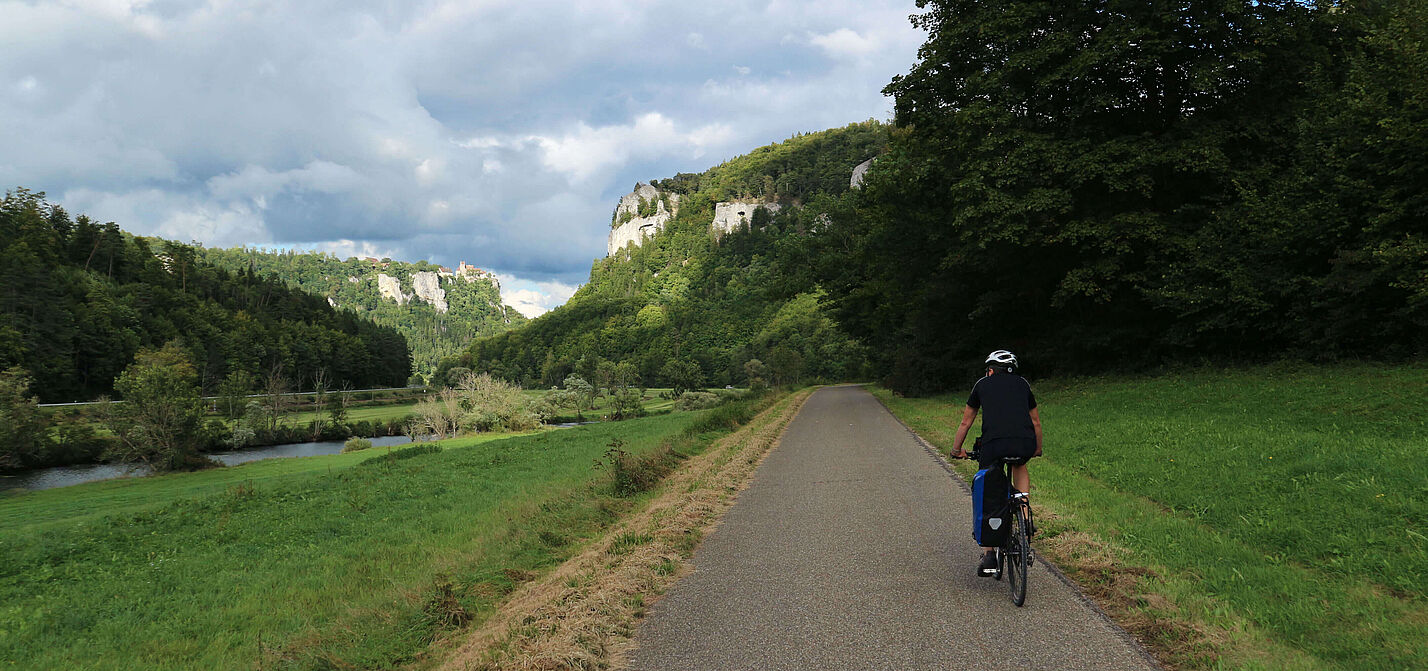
586	150
498	131
533	299
845	43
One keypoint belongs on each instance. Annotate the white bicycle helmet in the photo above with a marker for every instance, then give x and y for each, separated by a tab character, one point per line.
1002	357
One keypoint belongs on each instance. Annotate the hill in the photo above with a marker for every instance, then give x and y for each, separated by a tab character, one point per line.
702	277
438	310
78	299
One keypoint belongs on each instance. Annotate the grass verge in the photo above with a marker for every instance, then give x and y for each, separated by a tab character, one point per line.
582	615
360	567
1250	520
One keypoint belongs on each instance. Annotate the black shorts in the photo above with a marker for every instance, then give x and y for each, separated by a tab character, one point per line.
991	451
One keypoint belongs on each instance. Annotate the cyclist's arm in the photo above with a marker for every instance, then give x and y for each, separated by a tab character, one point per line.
968	415
1036	426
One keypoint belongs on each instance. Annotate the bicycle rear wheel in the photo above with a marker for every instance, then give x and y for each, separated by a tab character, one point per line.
1017	551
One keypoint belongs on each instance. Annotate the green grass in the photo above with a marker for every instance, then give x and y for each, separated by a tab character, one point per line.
65	505
285	564
378	413
1285	505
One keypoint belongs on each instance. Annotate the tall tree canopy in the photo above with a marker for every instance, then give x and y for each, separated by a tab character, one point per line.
1123	182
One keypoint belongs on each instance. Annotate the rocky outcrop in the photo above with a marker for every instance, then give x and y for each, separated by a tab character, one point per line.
640	215
732	216
427	286
862	169
391	288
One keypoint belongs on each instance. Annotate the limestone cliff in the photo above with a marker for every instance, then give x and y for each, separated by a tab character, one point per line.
640	215
391	288
731	216
857	179
427	286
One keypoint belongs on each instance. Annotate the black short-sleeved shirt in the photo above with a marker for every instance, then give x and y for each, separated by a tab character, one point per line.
1005	400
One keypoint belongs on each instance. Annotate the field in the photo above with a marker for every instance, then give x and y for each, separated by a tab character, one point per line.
1272	518
323	562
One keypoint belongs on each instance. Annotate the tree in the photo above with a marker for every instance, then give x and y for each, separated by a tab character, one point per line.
22	429
320	382
582	393
627	375
159	422
1064	178
786	365
756	373
606	375
275	389
233	392
682	375
338	411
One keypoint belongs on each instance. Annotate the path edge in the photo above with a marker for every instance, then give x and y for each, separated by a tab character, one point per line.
1051	566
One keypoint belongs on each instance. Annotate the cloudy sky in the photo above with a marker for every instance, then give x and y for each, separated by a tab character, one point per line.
492	131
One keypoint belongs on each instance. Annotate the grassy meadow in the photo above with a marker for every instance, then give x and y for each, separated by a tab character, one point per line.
1268	518
323	562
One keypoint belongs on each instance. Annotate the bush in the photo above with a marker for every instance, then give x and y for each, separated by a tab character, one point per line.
731	415
698	400
356	445
405	453
495	405
628	403
631	474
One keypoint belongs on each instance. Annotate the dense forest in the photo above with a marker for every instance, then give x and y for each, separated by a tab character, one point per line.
1117	185
78	300
472	300
689	308
1096	185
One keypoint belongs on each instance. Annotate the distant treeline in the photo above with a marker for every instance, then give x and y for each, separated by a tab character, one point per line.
1121	184
78	299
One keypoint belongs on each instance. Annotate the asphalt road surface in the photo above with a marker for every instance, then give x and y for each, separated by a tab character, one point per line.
852	549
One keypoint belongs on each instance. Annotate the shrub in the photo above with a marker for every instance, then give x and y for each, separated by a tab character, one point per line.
356	444
405	453
698	400
628	403
491	404
631	474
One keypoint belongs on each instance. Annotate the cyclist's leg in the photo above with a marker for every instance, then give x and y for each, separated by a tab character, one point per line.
1021	478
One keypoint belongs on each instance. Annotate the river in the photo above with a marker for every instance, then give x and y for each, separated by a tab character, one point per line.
64	476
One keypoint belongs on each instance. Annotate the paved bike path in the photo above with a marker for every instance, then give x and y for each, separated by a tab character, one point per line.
851	549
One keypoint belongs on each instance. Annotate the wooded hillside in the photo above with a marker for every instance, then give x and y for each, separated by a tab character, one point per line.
689	308
78	299
472	300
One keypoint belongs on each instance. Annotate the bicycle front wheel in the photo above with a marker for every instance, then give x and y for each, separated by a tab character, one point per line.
1018	551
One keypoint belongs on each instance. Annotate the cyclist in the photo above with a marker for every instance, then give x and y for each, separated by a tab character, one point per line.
1011	427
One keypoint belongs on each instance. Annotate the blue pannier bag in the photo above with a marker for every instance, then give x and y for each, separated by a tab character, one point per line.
991	509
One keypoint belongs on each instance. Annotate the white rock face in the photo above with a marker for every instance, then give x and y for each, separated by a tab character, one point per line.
730	217
391	288
638	228
858	172
428	288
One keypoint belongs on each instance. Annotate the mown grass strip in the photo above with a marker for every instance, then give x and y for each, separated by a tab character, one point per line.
1238	519
582	615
